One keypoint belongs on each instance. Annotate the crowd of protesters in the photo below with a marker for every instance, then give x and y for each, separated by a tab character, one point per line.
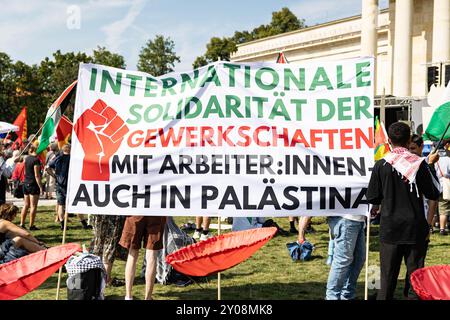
407	205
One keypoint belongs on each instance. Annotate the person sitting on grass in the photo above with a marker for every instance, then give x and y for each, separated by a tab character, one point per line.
15	242
138	231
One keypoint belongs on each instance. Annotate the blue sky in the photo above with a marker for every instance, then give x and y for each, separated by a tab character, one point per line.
32	30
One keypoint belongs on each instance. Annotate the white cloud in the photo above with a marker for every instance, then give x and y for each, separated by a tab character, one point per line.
327	10
108	3
114	31
19	7
21	25
31	30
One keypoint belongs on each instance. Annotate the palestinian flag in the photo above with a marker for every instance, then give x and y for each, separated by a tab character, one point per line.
439	120
64	131
54	115
381	141
282	58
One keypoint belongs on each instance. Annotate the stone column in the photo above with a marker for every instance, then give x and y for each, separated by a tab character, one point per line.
441	31
403	47
369	24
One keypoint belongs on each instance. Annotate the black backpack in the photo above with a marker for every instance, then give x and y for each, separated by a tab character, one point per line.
85	286
17	190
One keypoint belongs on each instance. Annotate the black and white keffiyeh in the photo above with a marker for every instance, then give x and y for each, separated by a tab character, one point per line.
82	263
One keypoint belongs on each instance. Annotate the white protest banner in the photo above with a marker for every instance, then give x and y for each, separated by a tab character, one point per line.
229	139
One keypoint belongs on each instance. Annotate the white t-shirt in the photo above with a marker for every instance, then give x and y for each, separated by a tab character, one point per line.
442	167
6	169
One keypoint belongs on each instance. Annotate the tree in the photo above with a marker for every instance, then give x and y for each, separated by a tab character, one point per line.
219	49
285	21
216	49
29	92
60	72
158	57
242	36
38	86
6	87
199	62
56	75
262	31
20	85
107	58
282	21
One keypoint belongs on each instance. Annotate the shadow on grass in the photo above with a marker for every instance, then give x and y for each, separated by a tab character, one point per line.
374	245
207	290
325	237
52	282
115	297
272	291
56	240
438	245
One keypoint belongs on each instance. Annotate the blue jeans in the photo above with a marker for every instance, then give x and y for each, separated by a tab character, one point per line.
330	247
348	258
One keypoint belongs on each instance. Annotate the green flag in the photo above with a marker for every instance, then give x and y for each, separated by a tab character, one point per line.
53	116
439	120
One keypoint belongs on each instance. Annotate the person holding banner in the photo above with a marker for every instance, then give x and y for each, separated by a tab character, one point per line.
400	180
58	168
138	230
348	256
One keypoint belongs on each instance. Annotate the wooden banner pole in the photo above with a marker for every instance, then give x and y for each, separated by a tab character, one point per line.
366	287
219	296
60	269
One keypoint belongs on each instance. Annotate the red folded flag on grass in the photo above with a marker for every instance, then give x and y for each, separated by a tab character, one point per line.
220	252
21	276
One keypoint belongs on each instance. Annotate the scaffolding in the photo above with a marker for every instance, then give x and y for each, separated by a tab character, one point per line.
387	102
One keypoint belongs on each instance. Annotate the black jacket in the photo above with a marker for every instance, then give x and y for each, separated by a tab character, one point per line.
403	218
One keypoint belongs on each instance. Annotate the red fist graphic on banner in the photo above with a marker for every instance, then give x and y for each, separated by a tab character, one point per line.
100	131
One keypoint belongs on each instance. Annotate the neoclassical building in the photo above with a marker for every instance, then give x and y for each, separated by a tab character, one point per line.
410	40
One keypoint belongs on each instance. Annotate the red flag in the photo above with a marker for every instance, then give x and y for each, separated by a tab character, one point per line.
21	122
21	276
220	252
63	131
282	58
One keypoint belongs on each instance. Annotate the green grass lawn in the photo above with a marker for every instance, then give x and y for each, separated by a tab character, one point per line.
268	274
